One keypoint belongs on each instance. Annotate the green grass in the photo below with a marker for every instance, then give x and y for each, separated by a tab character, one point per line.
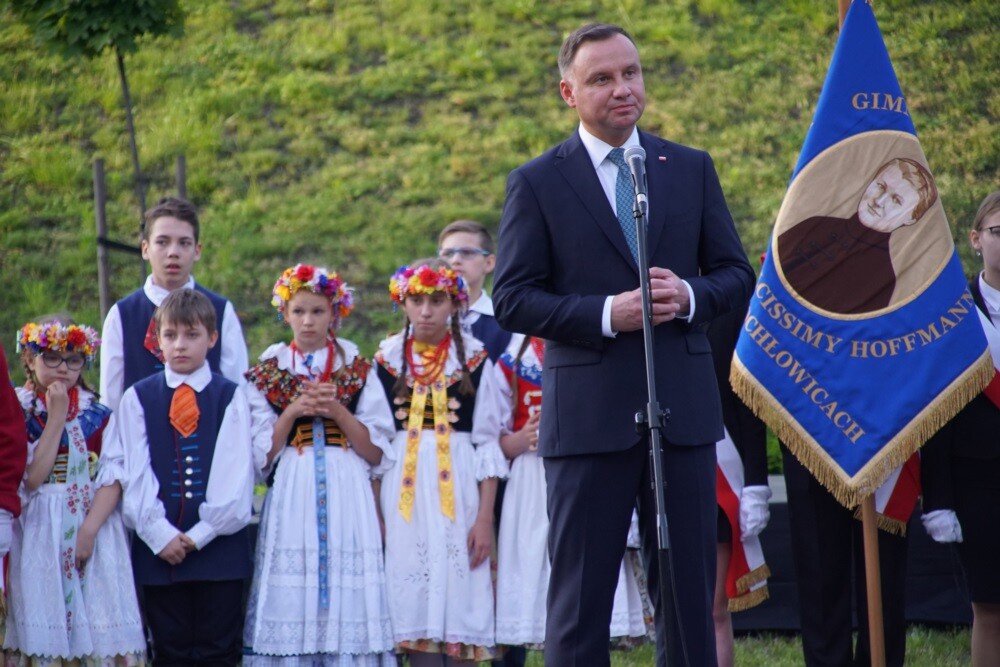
349	132
924	648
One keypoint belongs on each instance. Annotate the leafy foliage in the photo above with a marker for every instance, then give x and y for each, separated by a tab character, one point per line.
89	27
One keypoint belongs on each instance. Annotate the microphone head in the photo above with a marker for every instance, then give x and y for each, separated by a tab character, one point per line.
635	153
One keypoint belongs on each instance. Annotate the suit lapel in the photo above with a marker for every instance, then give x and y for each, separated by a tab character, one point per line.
657	178
573	161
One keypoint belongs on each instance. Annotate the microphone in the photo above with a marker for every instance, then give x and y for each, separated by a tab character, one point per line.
635	158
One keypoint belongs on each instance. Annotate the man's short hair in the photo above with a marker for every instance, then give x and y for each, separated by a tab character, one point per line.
592	32
468	227
188	307
917	175
171	207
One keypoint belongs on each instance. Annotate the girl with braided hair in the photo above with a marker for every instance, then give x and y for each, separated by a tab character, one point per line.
72	597
438	499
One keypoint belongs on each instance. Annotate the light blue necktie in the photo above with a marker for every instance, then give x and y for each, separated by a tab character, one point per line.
625	200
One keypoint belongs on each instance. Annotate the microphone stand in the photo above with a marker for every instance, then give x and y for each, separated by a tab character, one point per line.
651	422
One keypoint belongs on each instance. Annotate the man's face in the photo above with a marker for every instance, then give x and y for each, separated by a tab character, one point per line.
604	85
889	201
184	347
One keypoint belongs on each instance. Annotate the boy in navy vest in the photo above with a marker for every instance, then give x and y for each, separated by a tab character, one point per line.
185	436
129	351
468	249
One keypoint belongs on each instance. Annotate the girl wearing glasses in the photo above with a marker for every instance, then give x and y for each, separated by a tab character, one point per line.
71	592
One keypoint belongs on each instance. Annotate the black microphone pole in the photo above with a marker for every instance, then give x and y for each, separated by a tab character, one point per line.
652	421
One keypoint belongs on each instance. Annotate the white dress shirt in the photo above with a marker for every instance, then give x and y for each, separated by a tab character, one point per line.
482	306
607	174
233	363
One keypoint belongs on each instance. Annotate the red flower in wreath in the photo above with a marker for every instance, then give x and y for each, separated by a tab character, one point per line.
76	338
427	276
304	272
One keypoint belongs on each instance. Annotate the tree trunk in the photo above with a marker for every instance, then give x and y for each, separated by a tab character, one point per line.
140	186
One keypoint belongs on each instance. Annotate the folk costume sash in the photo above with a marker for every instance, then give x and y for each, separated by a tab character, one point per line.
746	578
79	494
428	378
319	468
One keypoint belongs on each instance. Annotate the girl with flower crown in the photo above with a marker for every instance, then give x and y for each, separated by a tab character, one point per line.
318	593
72	598
437	500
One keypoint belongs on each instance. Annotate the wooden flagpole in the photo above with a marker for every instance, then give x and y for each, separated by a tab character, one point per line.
842	6
873	582
869	528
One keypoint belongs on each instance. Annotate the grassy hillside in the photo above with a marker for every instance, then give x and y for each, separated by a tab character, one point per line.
347	133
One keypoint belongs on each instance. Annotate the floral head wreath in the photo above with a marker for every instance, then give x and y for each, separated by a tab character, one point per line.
317	280
58	337
424	279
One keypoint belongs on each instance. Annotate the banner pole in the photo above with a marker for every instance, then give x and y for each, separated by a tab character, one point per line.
873	582
842	6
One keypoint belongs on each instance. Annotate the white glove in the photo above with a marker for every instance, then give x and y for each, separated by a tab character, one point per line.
942	526
754	512
5	532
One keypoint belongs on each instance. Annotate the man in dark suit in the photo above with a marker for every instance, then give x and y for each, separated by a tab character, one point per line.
567	273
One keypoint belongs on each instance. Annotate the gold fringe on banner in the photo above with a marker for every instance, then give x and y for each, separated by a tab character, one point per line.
748	600
886	523
752	577
850	491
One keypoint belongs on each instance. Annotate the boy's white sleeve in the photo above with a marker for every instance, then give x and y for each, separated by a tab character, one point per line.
141	505
229	493
112	360
486	427
234	360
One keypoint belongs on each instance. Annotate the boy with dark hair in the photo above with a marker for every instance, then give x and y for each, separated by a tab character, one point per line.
170	243
185	437
468	249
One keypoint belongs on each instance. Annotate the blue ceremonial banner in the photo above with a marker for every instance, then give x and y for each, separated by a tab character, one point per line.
861	339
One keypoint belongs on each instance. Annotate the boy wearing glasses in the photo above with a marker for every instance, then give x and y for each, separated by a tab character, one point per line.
468	248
